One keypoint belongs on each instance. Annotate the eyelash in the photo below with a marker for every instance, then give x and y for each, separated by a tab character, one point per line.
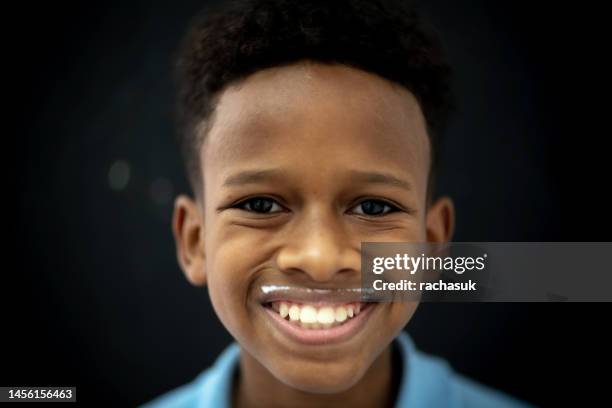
391	207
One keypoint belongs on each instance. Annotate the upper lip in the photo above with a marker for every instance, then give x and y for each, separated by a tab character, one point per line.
302	294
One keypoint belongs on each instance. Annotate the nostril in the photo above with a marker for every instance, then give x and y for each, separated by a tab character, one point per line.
321	260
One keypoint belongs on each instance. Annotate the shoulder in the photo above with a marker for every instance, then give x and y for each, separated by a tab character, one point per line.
211	388
430	381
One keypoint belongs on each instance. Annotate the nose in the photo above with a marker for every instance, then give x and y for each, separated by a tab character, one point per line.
319	246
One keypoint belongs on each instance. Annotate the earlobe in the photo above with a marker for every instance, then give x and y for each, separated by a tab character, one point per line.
188	231
441	220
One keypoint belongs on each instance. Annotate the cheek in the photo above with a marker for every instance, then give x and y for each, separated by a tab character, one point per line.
228	285
400	314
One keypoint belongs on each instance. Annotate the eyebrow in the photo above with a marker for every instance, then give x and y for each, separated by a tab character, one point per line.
251	177
371	177
375	177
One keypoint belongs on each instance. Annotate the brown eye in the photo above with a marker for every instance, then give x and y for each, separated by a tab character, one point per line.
374	208
260	205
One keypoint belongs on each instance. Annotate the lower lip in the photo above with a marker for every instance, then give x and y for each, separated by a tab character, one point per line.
335	334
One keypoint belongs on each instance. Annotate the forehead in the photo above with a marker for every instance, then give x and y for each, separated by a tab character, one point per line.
332	117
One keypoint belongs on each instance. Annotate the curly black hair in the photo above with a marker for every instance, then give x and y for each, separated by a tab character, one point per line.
235	39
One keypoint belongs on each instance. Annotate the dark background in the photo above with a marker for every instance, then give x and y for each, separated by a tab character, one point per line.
92	294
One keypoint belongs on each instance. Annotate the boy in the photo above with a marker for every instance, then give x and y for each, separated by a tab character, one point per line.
307	128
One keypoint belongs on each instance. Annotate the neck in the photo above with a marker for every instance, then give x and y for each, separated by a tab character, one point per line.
257	387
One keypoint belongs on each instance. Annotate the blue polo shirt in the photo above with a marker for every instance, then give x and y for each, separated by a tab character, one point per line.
427	381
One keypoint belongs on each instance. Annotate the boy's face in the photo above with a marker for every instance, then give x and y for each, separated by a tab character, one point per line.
301	164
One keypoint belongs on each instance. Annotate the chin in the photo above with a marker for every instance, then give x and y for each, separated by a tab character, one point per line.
321	378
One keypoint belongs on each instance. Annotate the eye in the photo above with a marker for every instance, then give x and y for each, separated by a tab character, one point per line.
374	208
260	205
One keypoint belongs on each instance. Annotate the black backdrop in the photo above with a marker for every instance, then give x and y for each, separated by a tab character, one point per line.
91	291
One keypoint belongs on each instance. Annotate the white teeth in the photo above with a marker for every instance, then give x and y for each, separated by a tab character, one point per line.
308	314
340	314
349	310
309	317
294	313
283	310
326	315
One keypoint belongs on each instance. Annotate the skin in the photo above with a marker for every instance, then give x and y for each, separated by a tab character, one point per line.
319	129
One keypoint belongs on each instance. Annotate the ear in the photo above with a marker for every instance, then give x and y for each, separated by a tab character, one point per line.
188	230
440	220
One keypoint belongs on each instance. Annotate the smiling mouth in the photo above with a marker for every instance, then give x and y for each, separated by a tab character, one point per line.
318	323
316	316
